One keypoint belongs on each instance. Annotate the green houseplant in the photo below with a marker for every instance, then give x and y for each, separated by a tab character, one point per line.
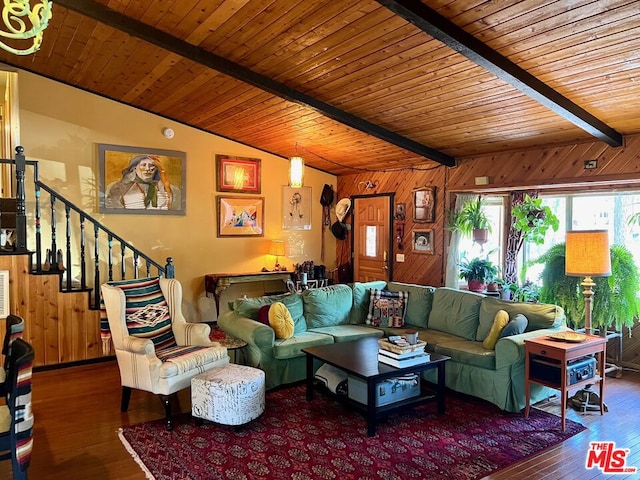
471	221
533	219
615	302
477	272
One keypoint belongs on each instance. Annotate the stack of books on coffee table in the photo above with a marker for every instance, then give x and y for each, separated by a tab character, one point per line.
399	353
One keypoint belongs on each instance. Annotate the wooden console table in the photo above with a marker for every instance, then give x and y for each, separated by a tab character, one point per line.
216	283
563	353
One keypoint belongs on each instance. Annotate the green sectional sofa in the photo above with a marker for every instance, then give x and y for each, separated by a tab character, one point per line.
452	322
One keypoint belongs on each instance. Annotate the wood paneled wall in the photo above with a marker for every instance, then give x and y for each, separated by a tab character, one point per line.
417	268
60	326
559	168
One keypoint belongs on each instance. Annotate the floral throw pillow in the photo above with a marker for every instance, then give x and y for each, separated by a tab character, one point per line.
387	308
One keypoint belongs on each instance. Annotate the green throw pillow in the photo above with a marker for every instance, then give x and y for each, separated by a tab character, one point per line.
516	326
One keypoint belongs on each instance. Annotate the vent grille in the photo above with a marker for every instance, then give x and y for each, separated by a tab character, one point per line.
4	293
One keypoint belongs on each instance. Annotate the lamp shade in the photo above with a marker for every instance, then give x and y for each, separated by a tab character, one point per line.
587	253
296	172
277	248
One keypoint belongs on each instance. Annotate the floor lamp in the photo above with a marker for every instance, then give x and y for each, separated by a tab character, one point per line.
587	255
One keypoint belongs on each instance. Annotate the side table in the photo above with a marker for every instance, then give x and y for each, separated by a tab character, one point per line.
562	352
236	346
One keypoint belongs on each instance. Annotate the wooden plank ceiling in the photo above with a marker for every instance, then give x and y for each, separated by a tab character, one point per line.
360	85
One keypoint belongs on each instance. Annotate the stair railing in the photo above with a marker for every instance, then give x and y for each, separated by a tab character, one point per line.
104	241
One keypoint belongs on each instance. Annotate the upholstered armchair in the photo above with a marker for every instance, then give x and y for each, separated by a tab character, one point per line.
156	348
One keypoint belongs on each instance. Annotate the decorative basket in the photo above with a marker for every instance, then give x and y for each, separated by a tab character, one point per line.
386	345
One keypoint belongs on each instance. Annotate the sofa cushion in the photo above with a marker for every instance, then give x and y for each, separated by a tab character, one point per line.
291	347
327	306
263	314
250	308
539	315
516	326
386	308
456	312
361	300
419	303
280	320
499	323
346	333
468	352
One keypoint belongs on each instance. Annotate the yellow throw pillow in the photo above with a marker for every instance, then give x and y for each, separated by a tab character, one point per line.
499	322
281	320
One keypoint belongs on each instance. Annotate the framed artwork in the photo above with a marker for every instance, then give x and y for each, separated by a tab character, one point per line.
237	174
422	241
240	216
424	205
296	208
141	180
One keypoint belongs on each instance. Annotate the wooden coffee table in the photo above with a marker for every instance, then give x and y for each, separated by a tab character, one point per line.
360	359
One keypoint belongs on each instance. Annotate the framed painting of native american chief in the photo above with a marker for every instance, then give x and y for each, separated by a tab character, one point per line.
141	180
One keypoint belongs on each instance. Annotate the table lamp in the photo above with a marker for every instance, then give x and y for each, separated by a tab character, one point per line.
587	255
277	249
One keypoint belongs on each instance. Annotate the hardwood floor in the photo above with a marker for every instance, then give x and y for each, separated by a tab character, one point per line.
77	413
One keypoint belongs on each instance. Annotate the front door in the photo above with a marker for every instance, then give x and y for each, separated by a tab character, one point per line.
371	238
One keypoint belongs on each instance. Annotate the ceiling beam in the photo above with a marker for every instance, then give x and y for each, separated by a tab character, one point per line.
442	29
196	54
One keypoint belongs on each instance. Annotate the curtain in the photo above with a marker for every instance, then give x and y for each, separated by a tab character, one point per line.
453	253
514	240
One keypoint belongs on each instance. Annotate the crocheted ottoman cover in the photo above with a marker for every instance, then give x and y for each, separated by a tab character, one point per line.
230	395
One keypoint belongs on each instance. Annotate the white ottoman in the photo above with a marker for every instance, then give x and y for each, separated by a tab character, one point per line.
230	395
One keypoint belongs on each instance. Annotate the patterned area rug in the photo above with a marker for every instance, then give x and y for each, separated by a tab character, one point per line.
300	440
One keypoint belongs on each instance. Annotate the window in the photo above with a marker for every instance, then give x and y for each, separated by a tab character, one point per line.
605	211
371	241
494	209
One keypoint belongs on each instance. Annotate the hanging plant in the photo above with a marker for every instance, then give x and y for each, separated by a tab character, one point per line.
534	219
615	302
471	217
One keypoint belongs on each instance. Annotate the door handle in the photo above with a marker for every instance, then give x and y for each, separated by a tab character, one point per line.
385	259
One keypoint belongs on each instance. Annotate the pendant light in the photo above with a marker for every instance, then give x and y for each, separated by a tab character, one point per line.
296	172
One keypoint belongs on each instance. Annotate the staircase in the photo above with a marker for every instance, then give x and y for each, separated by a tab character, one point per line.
57	256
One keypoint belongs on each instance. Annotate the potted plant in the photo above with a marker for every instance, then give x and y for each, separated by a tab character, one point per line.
615	302
471	221
477	272
533	219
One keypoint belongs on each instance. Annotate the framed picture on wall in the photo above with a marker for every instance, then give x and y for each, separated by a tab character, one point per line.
422	241
141	180
237	174
240	216
424	205
296	208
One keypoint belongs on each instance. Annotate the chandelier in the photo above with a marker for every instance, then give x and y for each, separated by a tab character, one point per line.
15	27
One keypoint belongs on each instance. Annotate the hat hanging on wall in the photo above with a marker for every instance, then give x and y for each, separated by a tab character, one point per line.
339	230
342	208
